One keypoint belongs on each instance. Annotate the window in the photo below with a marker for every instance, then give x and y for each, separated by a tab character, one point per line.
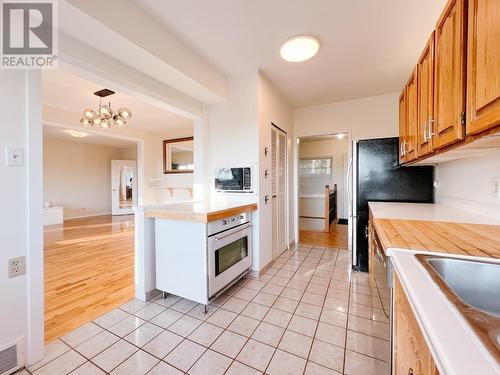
315	167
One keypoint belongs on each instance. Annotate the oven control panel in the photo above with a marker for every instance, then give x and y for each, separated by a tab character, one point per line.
228	223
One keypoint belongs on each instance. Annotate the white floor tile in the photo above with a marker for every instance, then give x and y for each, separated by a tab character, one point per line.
81	334
114	355
286	364
113	317
144	334
256	354
166	318
185	355
163	344
97	344
211	363
138	364
127	325
52	351
163	368
229	344
62	365
88	368
206	334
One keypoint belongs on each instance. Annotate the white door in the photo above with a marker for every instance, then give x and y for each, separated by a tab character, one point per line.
279	190
123	186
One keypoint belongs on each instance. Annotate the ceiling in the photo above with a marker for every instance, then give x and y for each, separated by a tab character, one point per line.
367	47
93	138
73	94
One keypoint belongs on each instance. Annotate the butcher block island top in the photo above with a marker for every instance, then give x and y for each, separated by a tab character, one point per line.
198	211
434	228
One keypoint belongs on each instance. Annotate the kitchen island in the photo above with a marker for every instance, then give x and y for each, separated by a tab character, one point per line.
426	321
172	246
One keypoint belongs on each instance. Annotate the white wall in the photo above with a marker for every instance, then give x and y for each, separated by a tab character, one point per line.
20	98
88	191
336	149
469	184
239	130
372	117
233	127
274	109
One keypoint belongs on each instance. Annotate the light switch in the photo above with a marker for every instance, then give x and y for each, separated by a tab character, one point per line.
14	157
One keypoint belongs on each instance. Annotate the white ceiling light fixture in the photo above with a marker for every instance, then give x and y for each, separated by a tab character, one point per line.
76	133
299	48
104	117
340	136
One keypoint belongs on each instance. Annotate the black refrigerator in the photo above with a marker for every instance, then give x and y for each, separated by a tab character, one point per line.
378	177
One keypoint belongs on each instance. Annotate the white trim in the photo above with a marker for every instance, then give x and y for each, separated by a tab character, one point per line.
296	173
34	197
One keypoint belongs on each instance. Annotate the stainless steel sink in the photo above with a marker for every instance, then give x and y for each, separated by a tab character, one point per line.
474	288
476	283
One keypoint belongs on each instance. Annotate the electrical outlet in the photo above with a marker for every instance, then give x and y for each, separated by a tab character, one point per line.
17	266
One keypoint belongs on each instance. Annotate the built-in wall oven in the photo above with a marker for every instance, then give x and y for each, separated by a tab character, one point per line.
229	251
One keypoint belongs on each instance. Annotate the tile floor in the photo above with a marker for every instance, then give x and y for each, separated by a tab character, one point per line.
308	314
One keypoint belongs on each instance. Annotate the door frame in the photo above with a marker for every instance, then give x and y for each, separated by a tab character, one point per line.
295	147
35	330
123	211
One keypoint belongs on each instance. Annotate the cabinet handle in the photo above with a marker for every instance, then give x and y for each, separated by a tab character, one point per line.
403	149
425	132
366	230
410	371
431	121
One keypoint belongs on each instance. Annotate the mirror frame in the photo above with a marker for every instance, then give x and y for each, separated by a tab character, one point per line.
175	140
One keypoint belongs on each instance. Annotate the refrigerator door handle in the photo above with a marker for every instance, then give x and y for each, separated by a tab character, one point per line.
349	181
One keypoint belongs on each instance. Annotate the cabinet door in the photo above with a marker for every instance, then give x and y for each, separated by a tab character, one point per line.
425	82
483	65
411	353
449	85
402	127
412	117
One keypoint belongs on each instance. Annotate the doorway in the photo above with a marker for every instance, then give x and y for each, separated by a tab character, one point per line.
322	173
279	178
123	187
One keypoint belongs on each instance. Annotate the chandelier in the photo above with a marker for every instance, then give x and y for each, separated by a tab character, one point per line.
104	117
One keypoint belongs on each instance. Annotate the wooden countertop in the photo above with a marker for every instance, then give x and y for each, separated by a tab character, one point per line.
198	211
438	236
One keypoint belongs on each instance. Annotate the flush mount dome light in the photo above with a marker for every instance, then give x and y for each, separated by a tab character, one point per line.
299	48
76	134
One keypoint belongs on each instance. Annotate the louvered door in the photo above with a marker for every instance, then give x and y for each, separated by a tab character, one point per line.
279	189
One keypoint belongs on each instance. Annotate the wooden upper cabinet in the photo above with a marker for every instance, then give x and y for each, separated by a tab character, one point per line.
483	65
425	83
402	127
411	117
449	75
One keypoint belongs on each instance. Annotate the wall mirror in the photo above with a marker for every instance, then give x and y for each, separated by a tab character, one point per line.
178	155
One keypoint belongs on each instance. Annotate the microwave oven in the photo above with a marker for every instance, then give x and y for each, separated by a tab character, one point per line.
234	180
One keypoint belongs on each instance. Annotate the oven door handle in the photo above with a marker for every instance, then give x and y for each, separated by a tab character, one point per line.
230	234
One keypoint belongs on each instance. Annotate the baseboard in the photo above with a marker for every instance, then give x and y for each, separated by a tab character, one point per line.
89	215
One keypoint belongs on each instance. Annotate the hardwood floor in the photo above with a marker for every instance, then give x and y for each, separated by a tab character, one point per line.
337	237
89	270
